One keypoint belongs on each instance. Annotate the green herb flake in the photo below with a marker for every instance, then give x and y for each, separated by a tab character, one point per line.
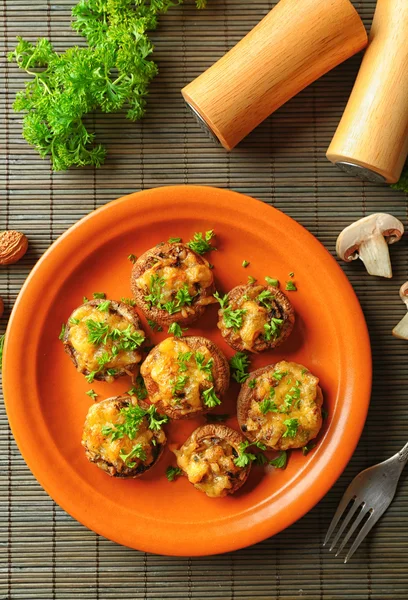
268	405
174	240
244	457
154	326
91	376
136	452
92	394
155	420
74	321
245	263
210	398
251	280
173	472
272	282
155	289
128	301
99	295
291	286
222	300
272	330
280	461
85	300
306	449
252	383
62	333
264	299
233	319
182	359
139	389
292	426
176	330
201	242
179	384
239	364
132	258
279	375
104	306
206	367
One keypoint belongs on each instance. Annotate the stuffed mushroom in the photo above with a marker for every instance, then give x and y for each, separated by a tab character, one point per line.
103	339
280	406
255	318
172	283
209	460
185	377
121	438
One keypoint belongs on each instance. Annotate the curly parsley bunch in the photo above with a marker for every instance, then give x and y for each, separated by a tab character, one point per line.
112	72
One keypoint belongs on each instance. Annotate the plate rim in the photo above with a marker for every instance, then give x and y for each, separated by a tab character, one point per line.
319	493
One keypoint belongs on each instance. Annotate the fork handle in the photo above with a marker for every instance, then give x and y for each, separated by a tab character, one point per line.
403	454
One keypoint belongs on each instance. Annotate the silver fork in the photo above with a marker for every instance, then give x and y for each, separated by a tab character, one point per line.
369	495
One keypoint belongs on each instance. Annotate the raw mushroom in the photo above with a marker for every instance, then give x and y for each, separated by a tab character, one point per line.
368	240
401	330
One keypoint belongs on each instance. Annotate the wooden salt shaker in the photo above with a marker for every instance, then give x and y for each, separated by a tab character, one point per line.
295	44
371	140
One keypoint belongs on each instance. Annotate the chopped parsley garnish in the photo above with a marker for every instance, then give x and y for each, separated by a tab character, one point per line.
171	307
183	296
92	394
233	318
61	335
223	301
292	426
74	321
91	376
174	240
85	300
291	286
132	258
128	340
206	367
155	289
264	298
176	330
239	364
268	405
134	415
136	452
280	461
104	306
182	359
139	389
260	459
271	281
155	419
179	384
244	458
252	383
245	263
251	280
154	326
98	332
128	301
111	372
279	375
201	242
212	418
103	359
99	295
304	371
306	449
272	329
210	399
173	472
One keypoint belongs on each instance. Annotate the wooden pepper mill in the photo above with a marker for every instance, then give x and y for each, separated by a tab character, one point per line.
295	44
371	140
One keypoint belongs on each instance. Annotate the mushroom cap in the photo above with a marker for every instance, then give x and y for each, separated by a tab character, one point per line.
404	293
351	237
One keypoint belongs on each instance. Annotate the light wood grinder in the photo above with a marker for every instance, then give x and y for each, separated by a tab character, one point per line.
371	140
295	44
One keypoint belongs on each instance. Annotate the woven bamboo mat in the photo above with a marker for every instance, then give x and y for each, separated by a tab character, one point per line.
45	554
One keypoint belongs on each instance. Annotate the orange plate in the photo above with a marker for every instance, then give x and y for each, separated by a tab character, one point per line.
45	396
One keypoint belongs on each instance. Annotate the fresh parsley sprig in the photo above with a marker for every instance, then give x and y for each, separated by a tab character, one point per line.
201	242
239	364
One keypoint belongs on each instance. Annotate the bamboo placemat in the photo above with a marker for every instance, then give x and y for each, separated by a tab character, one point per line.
45	554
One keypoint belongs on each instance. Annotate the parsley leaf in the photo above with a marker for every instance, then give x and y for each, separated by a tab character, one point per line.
132	258
244	458
104	306
99	295
233	318
201	242
279	375
291	286
292	426
210	399
173	472
97	332
182	359
239	364
280	461
271	281
139	389
251	280
179	384
202	366
245	263
137	452
176	330
252	383
306	449
61	335
223	301
272	329
128	301
155	419
174	240
268	405
264	298
155	289
92	394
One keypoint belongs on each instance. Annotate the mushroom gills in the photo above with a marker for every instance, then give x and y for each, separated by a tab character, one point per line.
375	255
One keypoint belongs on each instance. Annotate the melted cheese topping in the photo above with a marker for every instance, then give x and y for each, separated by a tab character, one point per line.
253	322
102	448
162	366
191	272
87	354
209	465
270	428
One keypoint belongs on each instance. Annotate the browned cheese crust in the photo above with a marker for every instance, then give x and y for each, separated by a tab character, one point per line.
266	318
289	393
207	459
174	361
88	356
175	268
104	451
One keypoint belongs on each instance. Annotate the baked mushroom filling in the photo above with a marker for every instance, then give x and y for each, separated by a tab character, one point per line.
184	377
121	437
209	465
255	315
104	342
285	407
174	281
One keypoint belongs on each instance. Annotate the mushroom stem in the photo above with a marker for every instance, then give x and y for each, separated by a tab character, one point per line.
401	330
375	255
